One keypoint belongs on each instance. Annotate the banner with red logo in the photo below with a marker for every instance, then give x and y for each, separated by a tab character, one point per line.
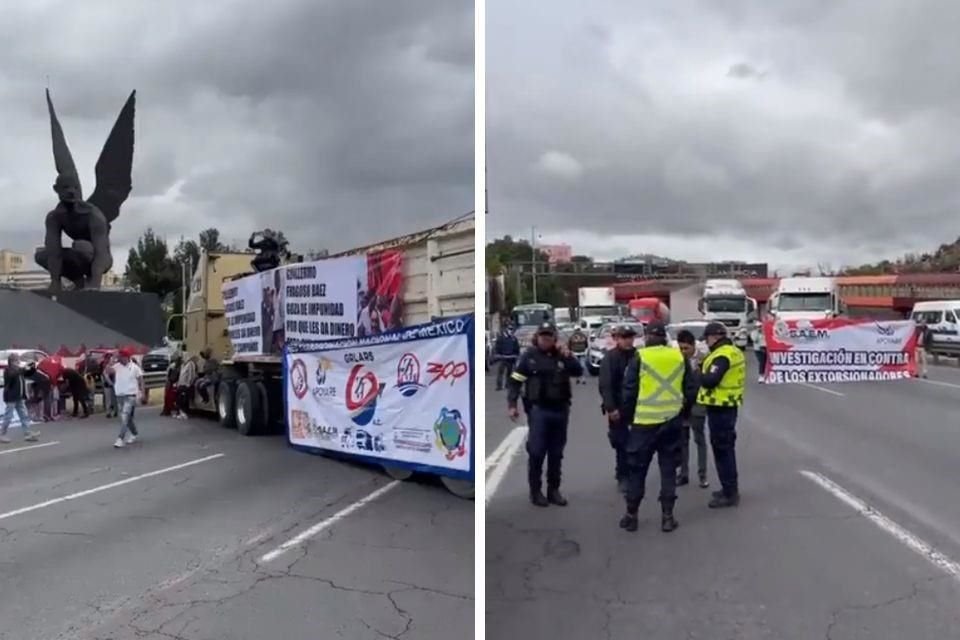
403	398
839	350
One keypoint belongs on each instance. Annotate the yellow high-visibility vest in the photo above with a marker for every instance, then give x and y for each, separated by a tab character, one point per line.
729	393
660	398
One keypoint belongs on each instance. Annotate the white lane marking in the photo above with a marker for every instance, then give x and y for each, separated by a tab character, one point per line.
494	458
818	388
34	446
112	485
329	522
510	445
904	536
940	383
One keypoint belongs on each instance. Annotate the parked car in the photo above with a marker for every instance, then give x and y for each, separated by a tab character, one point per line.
26	356
605	341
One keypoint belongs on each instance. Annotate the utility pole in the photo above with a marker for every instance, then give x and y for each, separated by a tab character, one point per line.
533	246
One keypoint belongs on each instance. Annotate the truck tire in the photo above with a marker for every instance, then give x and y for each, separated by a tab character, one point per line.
226	405
397	473
460	488
247	408
263	423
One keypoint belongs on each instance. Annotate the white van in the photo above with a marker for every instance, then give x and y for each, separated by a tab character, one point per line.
941	317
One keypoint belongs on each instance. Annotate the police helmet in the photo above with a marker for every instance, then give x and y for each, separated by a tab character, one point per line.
624	331
547	329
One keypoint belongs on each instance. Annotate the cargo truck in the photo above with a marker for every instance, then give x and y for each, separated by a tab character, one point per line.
438	281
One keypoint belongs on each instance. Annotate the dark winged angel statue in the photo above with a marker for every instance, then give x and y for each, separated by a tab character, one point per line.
87	222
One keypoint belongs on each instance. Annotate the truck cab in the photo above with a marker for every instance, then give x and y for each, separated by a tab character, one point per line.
727	302
807	298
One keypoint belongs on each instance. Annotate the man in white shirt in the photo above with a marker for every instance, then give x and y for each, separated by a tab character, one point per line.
128	387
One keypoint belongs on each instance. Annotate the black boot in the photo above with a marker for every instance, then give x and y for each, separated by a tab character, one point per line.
538	499
682	480
555	497
667	522
629	522
723	501
704	483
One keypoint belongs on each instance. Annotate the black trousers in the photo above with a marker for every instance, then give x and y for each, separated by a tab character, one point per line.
643	442
504	369
723	438
618	435
696	425
80	395
546	440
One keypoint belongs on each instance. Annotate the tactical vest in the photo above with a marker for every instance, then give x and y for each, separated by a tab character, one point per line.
729	393
660	398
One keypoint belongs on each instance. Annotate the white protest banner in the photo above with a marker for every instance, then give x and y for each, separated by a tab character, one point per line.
242	301
839	350
403	397
320	298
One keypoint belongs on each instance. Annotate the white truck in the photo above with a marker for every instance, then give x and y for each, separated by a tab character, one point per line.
727	302
596	305
807	298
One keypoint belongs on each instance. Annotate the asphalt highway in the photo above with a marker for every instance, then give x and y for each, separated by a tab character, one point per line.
848	528
197	533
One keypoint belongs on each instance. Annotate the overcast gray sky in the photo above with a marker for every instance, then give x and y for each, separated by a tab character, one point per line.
814	131
338	121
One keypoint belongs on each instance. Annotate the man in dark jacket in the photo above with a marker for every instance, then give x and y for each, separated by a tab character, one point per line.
722	385
543	374
78	391
656	385
579	344
506	349
14	397
612	369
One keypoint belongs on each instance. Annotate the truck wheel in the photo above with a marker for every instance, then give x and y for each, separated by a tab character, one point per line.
247	408
460	488
397	473
263	424
226	405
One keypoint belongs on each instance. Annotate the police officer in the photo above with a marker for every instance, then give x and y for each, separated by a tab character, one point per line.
612	370
505	351
543	372
723	379
655	383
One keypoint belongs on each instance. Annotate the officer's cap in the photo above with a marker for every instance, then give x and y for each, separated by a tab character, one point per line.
655	329
624	331
546	329
714	329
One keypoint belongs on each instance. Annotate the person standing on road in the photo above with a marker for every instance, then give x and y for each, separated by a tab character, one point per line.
696	421
924	340
189	371
79	391
760	351
612	370
543	373
128	384
579	344
506	349
15	397
723	380
657	384
42	390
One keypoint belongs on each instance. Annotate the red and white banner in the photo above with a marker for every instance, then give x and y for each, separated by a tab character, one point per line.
840	350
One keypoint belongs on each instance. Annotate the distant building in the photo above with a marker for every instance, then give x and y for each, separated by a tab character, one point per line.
15	275
656	267
557	253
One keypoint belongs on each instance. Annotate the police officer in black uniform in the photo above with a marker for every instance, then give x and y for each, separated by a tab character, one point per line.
543	373
612	368
656	386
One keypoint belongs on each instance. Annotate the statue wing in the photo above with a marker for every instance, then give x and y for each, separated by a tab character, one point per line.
115	166
61	152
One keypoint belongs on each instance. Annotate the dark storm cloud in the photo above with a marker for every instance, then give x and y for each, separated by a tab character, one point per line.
822	129
340	122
